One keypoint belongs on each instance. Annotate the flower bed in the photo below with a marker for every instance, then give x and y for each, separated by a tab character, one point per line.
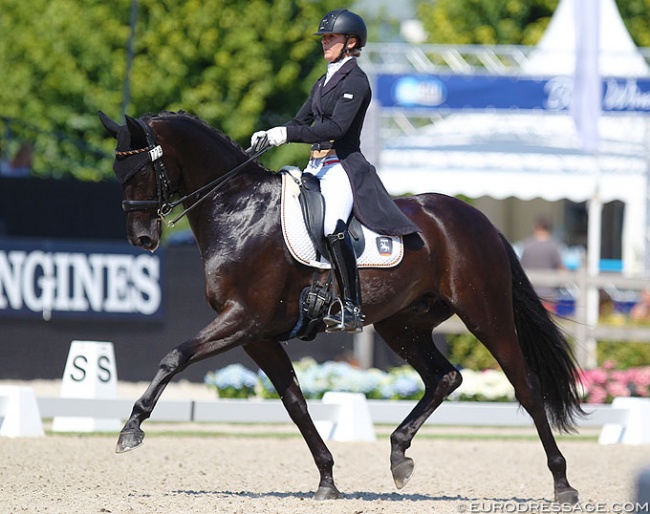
600	385
403	383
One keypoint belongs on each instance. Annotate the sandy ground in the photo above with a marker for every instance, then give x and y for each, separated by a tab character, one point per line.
204	468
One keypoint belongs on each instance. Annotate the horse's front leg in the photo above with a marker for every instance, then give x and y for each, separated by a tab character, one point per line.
224	333
271	357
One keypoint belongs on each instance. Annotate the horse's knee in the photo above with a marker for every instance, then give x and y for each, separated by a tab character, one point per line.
448	383
174	361
453	380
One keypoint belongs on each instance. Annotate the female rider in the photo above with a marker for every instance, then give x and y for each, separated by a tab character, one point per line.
331	120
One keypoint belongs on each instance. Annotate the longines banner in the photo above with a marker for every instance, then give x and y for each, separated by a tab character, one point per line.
480	92
56	280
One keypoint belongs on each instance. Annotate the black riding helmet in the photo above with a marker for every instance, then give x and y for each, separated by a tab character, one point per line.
342	21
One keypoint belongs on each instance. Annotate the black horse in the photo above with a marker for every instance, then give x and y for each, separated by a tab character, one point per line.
459	264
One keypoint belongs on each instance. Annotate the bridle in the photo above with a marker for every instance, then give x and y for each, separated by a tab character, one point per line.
163	204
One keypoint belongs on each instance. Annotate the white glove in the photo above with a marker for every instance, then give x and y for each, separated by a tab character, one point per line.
257	137
277	136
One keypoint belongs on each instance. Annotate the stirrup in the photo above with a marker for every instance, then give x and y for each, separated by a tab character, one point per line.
348	319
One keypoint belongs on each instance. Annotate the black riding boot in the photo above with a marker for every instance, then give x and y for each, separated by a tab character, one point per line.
344	262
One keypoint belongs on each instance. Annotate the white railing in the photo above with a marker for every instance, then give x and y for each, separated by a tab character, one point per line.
338	416
626	420
464	59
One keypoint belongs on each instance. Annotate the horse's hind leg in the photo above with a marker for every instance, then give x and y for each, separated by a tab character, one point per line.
505	348
272	358
410	337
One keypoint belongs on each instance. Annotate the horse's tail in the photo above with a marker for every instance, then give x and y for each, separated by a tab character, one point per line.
546	350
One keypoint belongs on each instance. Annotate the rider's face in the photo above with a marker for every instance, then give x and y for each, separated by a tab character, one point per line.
333	44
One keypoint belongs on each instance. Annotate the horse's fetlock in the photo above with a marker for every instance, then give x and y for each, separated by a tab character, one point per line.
557	464
400	440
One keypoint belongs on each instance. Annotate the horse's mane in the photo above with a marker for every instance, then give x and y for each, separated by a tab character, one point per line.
191	117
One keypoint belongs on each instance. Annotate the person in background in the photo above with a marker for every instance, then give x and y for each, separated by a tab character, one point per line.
541	251
4	162
641	310
21	164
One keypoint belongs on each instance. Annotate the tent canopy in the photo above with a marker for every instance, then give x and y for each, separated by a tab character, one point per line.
527	154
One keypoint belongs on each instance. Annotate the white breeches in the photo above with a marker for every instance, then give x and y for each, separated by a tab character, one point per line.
335	188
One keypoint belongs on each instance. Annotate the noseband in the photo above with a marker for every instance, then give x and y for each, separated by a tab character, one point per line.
163	205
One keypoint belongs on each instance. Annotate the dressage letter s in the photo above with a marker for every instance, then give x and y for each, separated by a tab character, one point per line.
76	365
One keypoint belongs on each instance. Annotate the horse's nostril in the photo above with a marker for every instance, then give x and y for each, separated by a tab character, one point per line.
145	242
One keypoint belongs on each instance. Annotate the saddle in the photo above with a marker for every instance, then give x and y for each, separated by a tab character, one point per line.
303	211
312	205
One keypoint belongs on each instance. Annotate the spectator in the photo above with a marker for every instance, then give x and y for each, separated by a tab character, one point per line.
4	163
641	310
541	251
21	164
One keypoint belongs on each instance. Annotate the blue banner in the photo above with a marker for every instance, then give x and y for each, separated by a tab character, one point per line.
480	92
56	280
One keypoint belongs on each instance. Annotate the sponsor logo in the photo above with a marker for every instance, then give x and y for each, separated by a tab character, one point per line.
79	283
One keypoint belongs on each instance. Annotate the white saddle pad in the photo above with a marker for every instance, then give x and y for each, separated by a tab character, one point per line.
380	251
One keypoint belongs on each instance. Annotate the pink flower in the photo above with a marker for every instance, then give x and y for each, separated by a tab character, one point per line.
615	389
603	384
597	395
596	376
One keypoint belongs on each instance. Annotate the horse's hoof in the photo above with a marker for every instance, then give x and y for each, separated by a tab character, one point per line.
327	493
567	497
403	472
129	441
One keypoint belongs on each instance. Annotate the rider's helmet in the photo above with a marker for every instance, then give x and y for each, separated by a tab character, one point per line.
342	21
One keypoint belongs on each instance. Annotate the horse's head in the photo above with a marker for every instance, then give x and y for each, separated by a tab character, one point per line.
145	185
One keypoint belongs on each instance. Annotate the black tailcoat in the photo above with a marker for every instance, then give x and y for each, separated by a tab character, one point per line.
333	117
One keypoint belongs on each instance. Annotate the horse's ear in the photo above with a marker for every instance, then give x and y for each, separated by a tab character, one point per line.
138	135
111	126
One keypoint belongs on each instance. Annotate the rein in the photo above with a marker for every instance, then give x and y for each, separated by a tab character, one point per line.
163	205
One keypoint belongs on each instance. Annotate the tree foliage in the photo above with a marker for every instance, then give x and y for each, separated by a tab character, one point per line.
240	66
636	15
485	22
511	22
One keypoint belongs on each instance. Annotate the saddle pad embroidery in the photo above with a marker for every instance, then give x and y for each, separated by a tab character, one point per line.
380	252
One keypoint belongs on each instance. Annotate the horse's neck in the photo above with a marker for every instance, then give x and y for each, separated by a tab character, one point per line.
247	204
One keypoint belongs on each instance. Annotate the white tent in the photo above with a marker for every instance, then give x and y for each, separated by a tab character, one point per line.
538	155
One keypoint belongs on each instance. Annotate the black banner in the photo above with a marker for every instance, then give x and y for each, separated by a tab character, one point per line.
51	279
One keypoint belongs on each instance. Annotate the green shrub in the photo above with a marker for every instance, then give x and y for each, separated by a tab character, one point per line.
468	352
624	354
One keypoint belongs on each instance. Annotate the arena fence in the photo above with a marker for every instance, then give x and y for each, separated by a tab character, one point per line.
349	416
338	416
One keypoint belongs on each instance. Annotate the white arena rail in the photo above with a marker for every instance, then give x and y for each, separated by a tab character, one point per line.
627	420
339	416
